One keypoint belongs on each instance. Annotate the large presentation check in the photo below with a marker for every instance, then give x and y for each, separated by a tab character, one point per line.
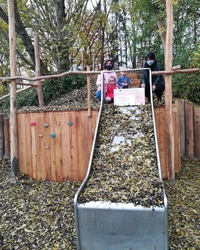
131	96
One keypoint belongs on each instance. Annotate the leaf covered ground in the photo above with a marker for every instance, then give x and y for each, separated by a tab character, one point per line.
183	207
39	214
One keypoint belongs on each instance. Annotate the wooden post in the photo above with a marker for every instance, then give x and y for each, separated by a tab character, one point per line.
13	87
181	110
189	130
1	136
168	91
197	132
37	70
89	92
6	139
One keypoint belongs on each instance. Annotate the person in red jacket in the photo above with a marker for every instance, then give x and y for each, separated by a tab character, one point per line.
110	86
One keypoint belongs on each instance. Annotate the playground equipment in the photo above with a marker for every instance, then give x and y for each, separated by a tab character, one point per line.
118	225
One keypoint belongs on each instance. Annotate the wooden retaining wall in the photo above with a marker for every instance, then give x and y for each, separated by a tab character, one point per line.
162	138
56	145
67	155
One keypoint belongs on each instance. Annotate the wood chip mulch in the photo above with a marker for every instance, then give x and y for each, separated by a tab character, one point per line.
40	215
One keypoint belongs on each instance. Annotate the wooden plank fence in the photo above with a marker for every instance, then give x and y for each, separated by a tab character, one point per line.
56	145
161	122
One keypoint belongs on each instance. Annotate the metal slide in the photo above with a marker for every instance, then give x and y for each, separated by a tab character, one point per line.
121	204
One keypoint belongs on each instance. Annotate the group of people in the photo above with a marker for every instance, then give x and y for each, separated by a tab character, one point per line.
113	82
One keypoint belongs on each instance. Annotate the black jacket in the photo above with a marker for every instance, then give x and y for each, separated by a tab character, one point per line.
156	79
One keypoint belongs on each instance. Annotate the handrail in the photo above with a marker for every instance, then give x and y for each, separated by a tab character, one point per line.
180	71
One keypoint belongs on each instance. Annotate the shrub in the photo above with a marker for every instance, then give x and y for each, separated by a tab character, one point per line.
51	89
187	86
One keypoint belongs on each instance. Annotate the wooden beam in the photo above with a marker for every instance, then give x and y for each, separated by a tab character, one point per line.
13	87
89	92
197	131
92	73
168	91
6	138
189	130
1	135
171	72
181	110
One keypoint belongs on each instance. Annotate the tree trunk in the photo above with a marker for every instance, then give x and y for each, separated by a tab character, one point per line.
13	110
37	70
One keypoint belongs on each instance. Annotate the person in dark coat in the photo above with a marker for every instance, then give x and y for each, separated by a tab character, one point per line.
158	82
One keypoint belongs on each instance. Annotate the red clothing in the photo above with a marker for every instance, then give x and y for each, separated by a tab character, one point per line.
110	90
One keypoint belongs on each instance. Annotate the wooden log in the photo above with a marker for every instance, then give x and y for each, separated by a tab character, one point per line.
22	143
28	144
52	146
162	140
65	145
82	142
21	83
189	130
197	132
1	136
168	91
164	72
6	139
89	92
40	147
172	72
33	125
181	111
21	90
47	145
13	88
73	149
58	142
176	122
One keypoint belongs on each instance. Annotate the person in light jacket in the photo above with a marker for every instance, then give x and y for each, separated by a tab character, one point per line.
107	73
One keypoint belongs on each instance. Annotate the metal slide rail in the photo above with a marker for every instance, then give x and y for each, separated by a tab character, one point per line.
120	227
